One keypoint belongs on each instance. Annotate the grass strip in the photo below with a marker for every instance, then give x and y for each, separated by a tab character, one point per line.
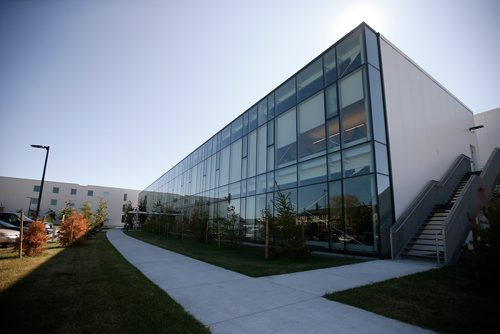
244	259
446	300
85	289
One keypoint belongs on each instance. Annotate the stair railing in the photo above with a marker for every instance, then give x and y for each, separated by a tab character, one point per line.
434	193
456	226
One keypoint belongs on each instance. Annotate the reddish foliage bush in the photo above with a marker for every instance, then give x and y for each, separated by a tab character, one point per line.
34	239
73	229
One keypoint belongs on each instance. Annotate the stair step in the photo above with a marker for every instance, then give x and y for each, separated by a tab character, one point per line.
431	237
422	253
426	242
424	248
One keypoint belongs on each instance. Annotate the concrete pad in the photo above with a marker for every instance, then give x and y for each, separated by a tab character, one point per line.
317	315
322	281
228	300
316	282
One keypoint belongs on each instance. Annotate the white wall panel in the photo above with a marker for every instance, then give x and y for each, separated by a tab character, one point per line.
428	127
488	137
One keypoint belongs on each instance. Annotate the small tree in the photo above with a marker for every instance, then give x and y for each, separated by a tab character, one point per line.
128	218
34	239
101	215
50	215
290	235
232	227
66	212
198	221
73	229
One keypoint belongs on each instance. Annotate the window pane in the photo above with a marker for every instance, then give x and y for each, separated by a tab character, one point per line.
385	208
359	204
235	166
286	177
262	112
53	202
358	160
244	148
237	129
226	137
252	153
377	106
372	47
285	96
55	190
270	106
312	171
333	135
270	181
313	214
331	101
245	123
350	53
261	149
330	65
334	166
224	167
270	158
312	127
250	217
286	138
270	132
310	80
353	110
252	119
335	204
234	189
251	183
381	159
261	184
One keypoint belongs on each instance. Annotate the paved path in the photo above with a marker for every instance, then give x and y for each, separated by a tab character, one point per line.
229	302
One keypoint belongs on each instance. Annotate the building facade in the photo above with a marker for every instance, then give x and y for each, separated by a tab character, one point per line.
348	139
16	194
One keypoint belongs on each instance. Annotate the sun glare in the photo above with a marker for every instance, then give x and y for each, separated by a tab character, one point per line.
354	15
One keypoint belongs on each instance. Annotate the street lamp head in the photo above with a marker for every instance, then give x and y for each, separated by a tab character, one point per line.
40	146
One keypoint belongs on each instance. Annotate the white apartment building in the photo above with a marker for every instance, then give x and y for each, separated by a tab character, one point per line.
17	193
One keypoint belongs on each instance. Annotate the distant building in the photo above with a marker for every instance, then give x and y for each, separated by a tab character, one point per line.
353	139
17	193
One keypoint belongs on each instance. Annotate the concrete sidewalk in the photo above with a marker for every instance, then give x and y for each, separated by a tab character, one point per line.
229	302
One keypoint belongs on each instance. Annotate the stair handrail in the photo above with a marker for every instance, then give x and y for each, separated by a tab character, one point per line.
456	226
433	193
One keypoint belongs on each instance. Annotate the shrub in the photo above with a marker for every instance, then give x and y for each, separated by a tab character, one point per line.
34	239
73	229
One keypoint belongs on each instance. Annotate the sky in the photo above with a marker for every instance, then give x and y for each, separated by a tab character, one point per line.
122	90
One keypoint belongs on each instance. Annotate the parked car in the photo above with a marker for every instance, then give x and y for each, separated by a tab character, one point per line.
8	233
14	218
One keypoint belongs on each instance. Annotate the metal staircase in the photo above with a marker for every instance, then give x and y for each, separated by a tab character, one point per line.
428	241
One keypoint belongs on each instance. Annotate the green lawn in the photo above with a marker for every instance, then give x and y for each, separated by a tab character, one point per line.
446	300
246	260
85	289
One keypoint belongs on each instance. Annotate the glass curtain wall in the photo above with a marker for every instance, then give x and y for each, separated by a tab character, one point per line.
320	138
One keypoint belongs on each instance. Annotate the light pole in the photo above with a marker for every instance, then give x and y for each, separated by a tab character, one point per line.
43	177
